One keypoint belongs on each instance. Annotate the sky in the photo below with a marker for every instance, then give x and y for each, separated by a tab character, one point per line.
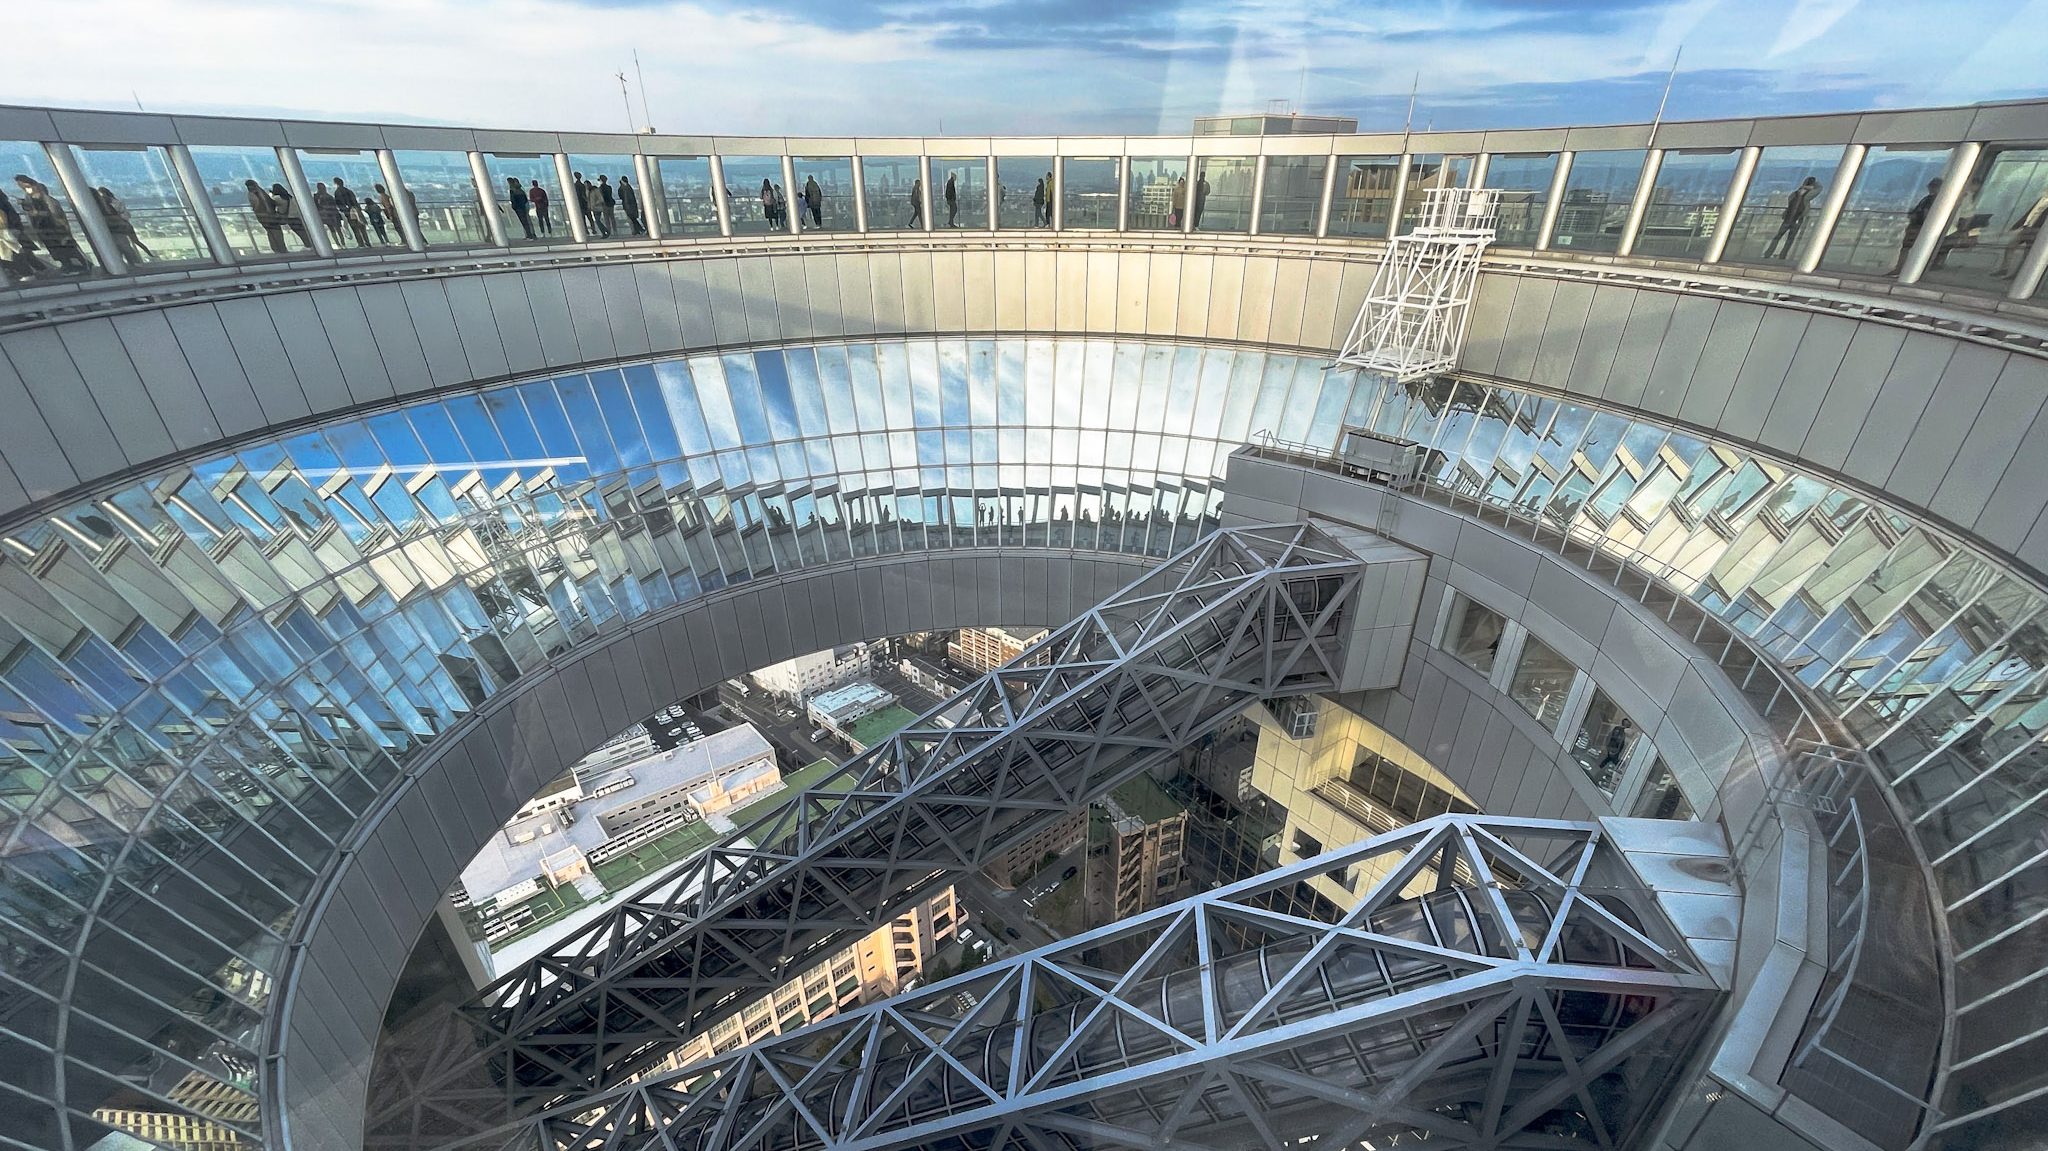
929	67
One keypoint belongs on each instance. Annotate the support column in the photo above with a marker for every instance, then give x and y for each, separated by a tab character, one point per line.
650	194
1258	193
718	197
1187	210
572	201
792	204
1123	192
387	162
994	196
1553	200
1479	166
1831	207
494	227
1954	179
1639	206
1055	202
1329	194
194	186
1394	205
2028	280
860	197
1731	206
924	176
97	233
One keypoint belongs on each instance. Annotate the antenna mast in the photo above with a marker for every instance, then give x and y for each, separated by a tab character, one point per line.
640	78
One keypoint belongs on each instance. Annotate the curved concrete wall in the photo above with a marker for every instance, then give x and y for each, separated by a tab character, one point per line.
398	865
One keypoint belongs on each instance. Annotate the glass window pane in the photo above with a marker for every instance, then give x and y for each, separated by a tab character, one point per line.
1997	221
360	173
609	196
40	236
1472	633
525	189
1597	192
1364	196
824	196
1603	742
1222	196
1158	192
1088	192
1886	208
960	191
1781	202
443	196
238	185
1685	203
1661	797
1431	171
894	193
1293	194
754	194
142	204
1023	184
1542	680
687	206
1524	184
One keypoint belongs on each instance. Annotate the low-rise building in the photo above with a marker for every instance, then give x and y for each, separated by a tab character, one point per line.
839	709
820	671
988	648
1015	865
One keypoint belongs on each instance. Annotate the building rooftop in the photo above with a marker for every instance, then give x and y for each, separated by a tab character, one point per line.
847	695
873	728
1145	799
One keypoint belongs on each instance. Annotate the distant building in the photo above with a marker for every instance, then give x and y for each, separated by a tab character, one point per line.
839	709
1013	866
805	676
983	649
923	675
1136	855
1274	124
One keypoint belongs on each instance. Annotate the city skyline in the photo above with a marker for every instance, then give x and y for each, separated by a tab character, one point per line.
1022	66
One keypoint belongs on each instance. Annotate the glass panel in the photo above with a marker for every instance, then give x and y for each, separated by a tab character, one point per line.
359	172
142	204
238	185
1603	742
960	199
1292	195
442	192
1472	633
40	236
1886	208
1524	184
1780	204
1431	171
1158	192
610	202
1597	192
825	193
1222	194
1542	680
1997	221
1022	186
688	207
1088	190
754	194
894	193
1685	203
1364	196
524	188
1661	798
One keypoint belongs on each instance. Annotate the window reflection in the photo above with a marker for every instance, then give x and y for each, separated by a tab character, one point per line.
1661	797
526	191
1997	221
1597	194
1221	198
142	204
1542	681
1362	204
605	194
1158	192
1604	740
1427	171
1781	203
960	192
686	205
40	236
240	184
357	171
1292	195
894	192
1088	192
1524	184
441	191
1024	190
1887	207
754	194
824	193
1685	203
1472	633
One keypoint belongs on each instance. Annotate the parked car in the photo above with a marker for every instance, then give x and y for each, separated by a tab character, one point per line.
1070	873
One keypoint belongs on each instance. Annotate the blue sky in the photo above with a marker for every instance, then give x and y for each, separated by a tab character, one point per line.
1025	66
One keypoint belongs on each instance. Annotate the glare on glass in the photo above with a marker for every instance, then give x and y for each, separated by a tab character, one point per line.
1605	737
1598	192
1158	193
1523	180
1472	632
1221	198
357	171
1025	186
1542	681
1685	203
609	198
40	236
1088	192
442	193
1888	205
142	204
1997	222
1292	195
1362	202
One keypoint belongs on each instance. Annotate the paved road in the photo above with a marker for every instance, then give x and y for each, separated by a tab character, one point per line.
795	734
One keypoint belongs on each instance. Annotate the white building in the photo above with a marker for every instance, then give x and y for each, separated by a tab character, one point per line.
842	707
805	676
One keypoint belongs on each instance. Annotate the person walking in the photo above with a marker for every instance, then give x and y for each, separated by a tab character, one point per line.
1916	219
768	202
607	205
329	213
1180	204
782	207
522	205
917	203
44	223
1038	204
952	200
390	210
118	222
1793	221
538	197
581	191
265	212
17	252
374	209
814	199
288	213
629	200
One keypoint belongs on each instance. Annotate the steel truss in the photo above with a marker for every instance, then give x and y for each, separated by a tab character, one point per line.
1546	1005
1244	614
1412	323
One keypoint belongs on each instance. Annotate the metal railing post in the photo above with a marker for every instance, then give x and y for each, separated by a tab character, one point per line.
387	163
194	187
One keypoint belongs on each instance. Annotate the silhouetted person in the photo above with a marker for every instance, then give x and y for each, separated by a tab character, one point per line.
351	211
814	199
522	207
1201	199
1793	221
1038	204
1051	195
390	209
952	200
44	223
329	213
1617	746
582	193
538	197
768	202
373	208
782	206
1916	219
1180	203
17	251
607	206
288	212
118	222
917	203
266	213
629	201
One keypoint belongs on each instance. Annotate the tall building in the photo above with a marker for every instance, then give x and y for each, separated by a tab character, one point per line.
805	676
982	649
1136	850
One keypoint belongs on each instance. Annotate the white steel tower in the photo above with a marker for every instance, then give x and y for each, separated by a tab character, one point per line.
1413	320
